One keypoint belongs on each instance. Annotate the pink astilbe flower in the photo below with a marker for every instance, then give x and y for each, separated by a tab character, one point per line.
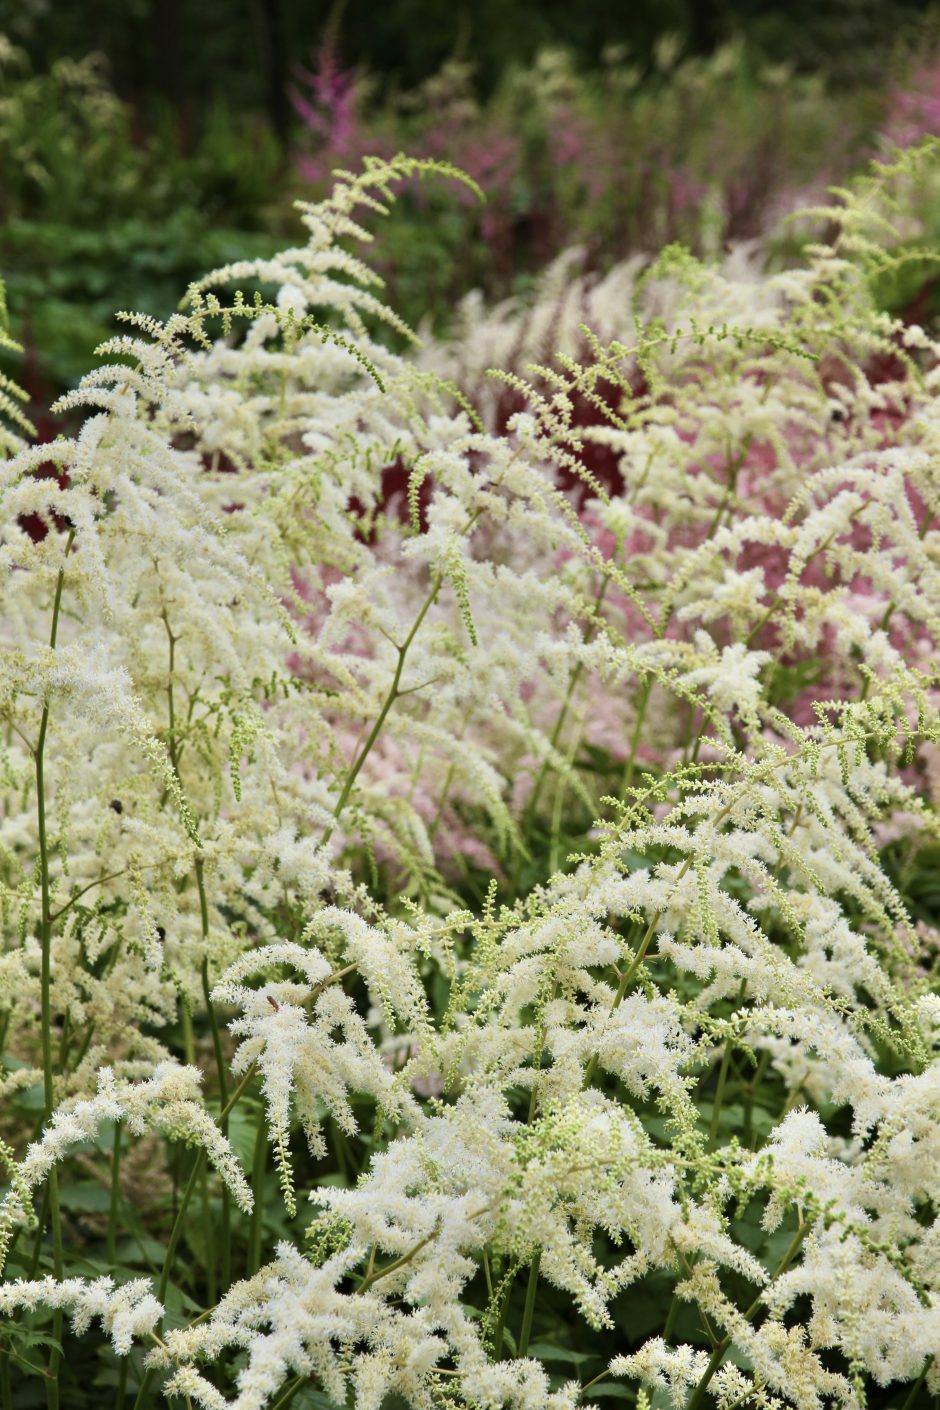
329	105
914	107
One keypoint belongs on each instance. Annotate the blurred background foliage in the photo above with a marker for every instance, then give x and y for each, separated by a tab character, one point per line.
145	141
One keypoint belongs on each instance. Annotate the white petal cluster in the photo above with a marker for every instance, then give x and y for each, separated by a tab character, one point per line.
128	1312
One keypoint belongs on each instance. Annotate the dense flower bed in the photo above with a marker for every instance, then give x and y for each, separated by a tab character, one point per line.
465	847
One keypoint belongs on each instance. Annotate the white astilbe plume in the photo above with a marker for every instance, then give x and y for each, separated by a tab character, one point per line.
306	1040
128	1312
168	1102
306	1321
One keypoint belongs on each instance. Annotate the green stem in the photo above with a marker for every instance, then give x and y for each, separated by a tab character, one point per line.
397	1263
350	1161
220	1073
715	1360
501	1322
528	1311
733	469
439	811
718	1354
216	1036
911	1397
640	955
573	680
258	1171
778	597
764	618
171	709
339	1151
393	691
115	1193
186	1024
6	1394
628	976
142	1394
290	1392
391	697
208	1224
793	1248
635	738
671	1317
108	876
892	605
40	1230
177	1229
594	1380
65	1038
558	805
122	1383
722	1079
750	1094
487	1275
45	940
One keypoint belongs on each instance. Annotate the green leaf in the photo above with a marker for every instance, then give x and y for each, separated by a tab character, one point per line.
544	1352
309	1399
85	1198
241	1135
